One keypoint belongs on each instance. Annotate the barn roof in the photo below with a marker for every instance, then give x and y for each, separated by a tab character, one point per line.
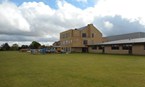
82	28
124	41
126	36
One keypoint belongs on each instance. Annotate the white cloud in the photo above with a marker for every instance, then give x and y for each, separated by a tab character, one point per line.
11	19
129	9
108	25
36	19
84	1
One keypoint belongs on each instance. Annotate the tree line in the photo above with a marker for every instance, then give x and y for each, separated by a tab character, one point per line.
15	47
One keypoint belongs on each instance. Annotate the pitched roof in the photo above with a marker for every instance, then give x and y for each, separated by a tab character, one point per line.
85	27
126	36
124	41
82	28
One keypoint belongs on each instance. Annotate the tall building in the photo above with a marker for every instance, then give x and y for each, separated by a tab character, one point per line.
77	40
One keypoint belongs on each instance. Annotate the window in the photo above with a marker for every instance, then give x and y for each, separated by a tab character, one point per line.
115	47
100	47
67	35
63	35
66	42
125	47
94	47
63	42
92	35
85	42
84	35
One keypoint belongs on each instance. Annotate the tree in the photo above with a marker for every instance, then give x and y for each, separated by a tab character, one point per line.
15	47
24	47
35	45
42	46
5	47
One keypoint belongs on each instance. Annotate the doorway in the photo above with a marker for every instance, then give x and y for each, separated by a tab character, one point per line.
130	50
84	49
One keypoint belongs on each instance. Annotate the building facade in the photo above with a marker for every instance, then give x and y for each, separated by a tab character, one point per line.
89	39
126	46
77	40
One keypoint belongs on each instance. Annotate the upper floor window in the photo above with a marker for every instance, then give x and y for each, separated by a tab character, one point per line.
63	36
67	35
84	35
92	35
85	42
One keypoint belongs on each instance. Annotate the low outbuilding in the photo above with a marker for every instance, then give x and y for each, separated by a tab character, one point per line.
126	46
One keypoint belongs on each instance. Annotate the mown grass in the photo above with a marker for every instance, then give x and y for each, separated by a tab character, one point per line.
71	70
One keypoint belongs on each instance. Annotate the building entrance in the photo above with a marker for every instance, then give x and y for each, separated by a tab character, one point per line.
84	49
130	50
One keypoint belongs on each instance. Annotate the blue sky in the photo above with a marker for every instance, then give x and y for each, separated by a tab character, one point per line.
23	21
52	3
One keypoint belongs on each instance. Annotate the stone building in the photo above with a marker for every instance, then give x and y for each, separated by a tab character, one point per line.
90	39
77	40
132	43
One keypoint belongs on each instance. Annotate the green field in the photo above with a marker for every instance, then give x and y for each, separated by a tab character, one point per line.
71	70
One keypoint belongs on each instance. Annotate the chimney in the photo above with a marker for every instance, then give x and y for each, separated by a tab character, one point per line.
90	24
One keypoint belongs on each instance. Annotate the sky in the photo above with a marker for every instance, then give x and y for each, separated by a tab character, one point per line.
24	21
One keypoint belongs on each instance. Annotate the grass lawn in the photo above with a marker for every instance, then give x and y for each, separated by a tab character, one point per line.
71	70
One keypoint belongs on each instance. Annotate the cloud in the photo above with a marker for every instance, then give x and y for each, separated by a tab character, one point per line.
11	19
31	20
37	21
108	25
129	9
84	1
120	25
27	38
